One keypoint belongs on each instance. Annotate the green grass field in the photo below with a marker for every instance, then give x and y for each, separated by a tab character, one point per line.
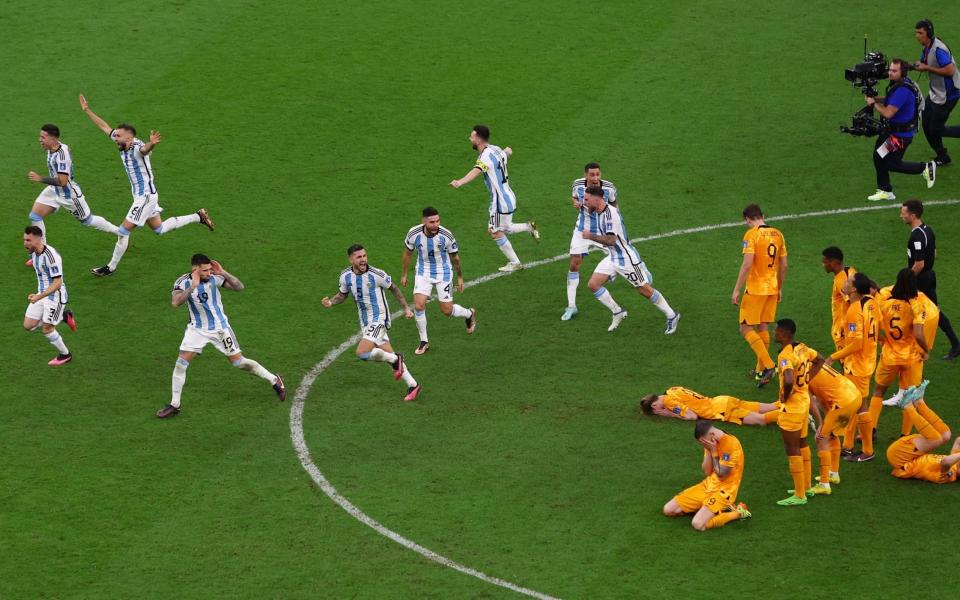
305	128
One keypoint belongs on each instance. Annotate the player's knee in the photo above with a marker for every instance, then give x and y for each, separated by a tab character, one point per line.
48	328
446	309
123	231
945	436
699	525
237	362
30	326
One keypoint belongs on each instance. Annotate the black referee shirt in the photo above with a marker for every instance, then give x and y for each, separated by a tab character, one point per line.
922	246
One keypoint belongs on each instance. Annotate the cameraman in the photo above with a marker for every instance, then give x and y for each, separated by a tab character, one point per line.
900	108
936	61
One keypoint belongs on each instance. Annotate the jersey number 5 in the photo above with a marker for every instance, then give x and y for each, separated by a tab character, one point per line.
895	331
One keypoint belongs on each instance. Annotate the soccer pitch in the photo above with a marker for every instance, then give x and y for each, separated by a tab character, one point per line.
304	129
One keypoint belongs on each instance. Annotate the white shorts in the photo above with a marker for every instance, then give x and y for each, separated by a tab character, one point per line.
376	333
77	205
224	340
46	311
499	222
424	285
636	275
143	208
580	246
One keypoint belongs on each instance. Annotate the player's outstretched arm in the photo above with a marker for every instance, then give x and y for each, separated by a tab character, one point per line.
155	139
470	176
85	107
60	180
398	294
328	302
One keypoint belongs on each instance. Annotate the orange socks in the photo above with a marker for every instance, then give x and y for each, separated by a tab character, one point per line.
906	425
933	418
807	467
865	425
759	348
876	405
835	452
850	435
722	519
796	472
825	458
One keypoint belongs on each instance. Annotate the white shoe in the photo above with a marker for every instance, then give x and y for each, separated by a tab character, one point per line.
617	319
893	400
882	195
672	324
510	267
568	313
930	173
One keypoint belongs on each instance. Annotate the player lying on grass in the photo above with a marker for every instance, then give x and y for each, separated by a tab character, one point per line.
682	403
910	455
712	501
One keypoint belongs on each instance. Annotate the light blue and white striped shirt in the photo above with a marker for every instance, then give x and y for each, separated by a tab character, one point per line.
60	161
492	162
622	252
48	265
205	303
367	290
433	253
579	190
137	166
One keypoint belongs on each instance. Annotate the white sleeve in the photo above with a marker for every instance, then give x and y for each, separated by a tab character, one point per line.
64	163
343	284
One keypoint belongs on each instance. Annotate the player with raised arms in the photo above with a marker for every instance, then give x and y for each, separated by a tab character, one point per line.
200	291
367	284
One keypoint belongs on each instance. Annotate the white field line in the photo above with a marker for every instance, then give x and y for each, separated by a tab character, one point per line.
300	397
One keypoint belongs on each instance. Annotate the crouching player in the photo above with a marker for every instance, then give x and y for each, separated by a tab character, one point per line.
712	501
840	399
910	455
682	403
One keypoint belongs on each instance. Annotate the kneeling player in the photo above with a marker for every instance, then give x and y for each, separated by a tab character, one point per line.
712	500
910	455
682	403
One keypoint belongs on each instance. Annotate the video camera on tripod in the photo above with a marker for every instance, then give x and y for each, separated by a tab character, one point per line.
865	76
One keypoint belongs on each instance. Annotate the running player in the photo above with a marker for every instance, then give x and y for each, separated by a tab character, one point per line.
46	307
61	190
682	403
712	501
366	285
585	220
492	164
622	259
762	273
438	257
910	455
794	361
146	209
833	264
208	324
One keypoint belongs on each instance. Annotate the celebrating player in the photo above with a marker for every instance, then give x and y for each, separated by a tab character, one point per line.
622	259
682	403
712	500
579	246
910	455
61	190
46	307
366	285
135	156
763	271
794	360
199	290
492	163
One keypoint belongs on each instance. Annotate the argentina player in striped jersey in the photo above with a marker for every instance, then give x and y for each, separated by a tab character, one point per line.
492	164
438	257
585	220
48	305
622	259
145	209
61	191
200	291
367	284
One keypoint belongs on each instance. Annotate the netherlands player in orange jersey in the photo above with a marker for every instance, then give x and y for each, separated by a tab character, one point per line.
794	362
713	501
840	399
929	319
683	403
904	348
761	276
839	301
859	354
910	455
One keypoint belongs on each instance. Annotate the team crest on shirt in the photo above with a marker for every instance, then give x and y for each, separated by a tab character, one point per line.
63	165
676	410
853	326
745	243
725	456
784	363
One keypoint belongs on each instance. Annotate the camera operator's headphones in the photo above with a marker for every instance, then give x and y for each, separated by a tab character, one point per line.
926	25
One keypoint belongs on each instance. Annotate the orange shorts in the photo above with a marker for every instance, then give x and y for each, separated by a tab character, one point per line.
838	418
758	309
903	451
930	330
911	374
862	383
793	421
697	496
737	409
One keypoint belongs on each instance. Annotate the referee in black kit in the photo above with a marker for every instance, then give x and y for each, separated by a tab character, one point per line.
921	254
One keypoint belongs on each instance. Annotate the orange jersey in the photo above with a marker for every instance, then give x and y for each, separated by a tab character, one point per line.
839	303
678	399
796	357
930	318
832	388
767	246
862	323
927	467
729	453
896	322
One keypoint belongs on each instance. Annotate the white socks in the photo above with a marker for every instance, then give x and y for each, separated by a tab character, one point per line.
252	366
179	377
420	317
460	312
101	224
607	300
507	248
660	302
56	341
378	355
573	280
123	240
176	223
43	228
519	228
